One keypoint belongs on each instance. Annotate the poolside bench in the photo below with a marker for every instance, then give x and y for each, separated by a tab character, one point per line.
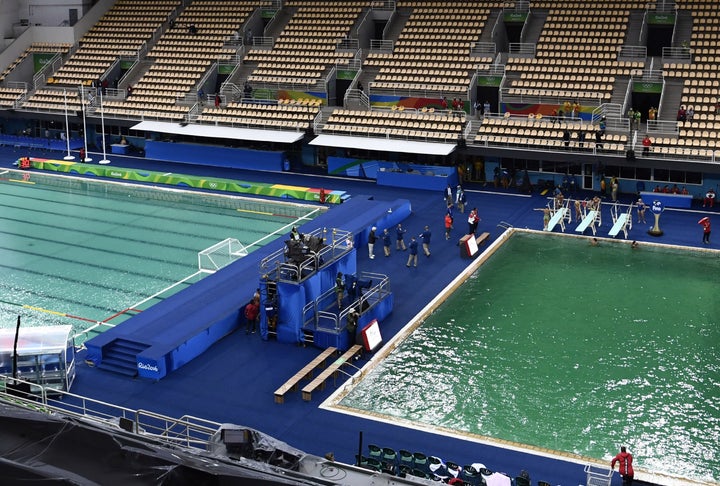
306	371
482	238
332	369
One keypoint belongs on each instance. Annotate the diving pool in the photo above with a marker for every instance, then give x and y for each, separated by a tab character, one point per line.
556	346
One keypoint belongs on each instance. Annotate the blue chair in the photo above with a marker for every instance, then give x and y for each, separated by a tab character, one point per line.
471	476
522	481
406	458
373	464
420	461
374	451
389	455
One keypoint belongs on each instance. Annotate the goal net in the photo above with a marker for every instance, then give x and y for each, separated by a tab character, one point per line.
220	255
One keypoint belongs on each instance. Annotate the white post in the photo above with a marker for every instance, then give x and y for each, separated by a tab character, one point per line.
104	160
82	103
69	156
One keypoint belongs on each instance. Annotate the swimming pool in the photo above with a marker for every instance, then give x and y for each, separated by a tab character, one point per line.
80	251
574	350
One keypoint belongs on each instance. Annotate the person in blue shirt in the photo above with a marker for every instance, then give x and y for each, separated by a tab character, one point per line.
425	235
399	234
387	241
412	257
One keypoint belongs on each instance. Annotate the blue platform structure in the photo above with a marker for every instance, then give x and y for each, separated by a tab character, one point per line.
165	337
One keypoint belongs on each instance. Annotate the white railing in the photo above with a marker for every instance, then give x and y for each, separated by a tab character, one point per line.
381	45
524	49
676	54
632	52
666	127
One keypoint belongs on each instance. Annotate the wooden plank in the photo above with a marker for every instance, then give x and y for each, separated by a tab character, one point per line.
306	371
482	238
319	381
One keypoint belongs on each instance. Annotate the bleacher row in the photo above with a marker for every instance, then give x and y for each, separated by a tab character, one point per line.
250	115
436	126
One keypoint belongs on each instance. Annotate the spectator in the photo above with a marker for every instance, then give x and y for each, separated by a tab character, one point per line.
682	114
690	113
566	138
652	113
599	140
486	108
217	101
646	145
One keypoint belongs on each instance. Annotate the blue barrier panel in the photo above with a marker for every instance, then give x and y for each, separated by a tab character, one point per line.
235	158
668	200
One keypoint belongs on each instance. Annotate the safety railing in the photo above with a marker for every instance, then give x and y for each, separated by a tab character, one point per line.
282	266
187	431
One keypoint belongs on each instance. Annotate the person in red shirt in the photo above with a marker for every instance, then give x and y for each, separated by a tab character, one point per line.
646	146
705	222
252	311
448	225
625	459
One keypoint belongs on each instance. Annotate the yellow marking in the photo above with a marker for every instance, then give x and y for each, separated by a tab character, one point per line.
254	212
292	188
32	307
21	181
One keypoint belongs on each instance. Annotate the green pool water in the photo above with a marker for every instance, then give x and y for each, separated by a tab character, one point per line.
95	250
577	349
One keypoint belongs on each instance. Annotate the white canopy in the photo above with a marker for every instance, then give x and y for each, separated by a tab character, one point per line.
384	144
35	340
216	131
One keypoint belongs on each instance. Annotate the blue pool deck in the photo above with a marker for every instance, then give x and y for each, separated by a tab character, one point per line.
234	380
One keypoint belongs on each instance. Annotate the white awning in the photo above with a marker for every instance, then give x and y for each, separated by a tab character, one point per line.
384	144
213	131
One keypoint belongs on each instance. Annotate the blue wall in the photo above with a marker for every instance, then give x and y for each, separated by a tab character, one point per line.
235	158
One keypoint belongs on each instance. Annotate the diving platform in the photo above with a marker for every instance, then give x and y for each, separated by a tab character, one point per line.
558	218
621	222
588	222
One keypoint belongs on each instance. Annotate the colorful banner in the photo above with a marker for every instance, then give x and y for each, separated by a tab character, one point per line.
313	194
